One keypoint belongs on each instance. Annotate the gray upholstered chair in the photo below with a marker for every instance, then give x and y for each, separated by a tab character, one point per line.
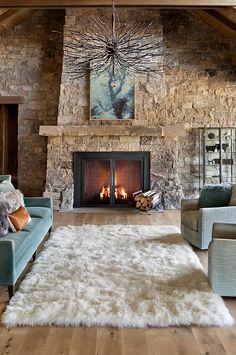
222	259
197	221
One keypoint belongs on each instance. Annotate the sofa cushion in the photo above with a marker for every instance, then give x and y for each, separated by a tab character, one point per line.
215	195
232	201
224	230
190	219
5	177
6	186
39	212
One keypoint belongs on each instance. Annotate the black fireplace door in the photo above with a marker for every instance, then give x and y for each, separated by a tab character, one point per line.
109	179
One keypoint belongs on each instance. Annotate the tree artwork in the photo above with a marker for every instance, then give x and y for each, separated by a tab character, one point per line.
112	96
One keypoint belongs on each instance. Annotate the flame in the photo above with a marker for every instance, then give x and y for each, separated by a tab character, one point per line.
105	193
120	193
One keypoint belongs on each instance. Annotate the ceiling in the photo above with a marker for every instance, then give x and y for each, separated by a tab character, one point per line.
222	19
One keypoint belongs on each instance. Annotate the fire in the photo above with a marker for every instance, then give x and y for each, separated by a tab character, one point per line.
105	193
120	193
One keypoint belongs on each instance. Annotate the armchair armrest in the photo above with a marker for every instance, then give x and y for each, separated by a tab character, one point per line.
224	231
38	202
209	216
190	204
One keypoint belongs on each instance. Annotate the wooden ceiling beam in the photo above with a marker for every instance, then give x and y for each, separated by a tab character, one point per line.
226	27
14	18
85	3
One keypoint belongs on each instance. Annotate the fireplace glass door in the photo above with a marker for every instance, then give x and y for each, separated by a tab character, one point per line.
106	179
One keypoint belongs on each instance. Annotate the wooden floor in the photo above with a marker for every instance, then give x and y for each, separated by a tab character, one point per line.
113	341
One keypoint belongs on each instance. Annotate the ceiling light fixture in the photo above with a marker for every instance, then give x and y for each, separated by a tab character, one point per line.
120	49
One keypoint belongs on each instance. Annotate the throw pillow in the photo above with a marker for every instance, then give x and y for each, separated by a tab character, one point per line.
4	224
14	198
215	195
6	186
18	219
232	201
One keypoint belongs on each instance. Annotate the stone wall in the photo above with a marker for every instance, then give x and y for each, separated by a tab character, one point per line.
30	66
197	88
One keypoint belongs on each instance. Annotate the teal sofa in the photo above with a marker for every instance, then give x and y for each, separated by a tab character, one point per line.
16	249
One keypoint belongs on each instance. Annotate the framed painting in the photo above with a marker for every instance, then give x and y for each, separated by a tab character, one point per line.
112	96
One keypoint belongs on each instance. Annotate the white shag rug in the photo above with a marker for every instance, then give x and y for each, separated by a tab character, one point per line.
117	275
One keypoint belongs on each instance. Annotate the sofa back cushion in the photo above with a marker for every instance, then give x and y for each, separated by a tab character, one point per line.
232	201
5	177
215	195
6	186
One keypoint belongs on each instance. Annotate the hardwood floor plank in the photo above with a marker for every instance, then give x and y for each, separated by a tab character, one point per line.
159	340
108	341
83	341
133	342
208	341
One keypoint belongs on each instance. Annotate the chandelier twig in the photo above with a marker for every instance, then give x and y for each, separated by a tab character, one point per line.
129	48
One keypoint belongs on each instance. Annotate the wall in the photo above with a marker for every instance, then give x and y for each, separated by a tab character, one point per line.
197	88
30	66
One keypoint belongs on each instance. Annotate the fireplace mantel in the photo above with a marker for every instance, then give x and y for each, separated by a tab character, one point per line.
110	130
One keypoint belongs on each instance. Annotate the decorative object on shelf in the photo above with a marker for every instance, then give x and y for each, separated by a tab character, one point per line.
112	96
211	136
226	136
223	145
122	48
210	148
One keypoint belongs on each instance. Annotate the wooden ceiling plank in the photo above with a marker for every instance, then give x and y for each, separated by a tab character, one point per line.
214	22
229	13
72	3
15	19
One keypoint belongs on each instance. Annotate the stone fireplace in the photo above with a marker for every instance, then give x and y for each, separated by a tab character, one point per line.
109	178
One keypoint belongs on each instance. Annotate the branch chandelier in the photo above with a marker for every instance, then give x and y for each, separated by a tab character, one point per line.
122	49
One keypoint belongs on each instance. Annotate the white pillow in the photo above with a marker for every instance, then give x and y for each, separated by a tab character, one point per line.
14	198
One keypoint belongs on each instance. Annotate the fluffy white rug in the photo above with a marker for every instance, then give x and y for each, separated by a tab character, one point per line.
126	276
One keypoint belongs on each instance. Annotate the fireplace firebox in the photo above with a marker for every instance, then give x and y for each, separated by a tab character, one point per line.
109	178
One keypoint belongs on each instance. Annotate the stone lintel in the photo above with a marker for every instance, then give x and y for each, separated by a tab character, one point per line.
75	131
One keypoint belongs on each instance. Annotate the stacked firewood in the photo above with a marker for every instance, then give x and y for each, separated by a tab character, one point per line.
146	201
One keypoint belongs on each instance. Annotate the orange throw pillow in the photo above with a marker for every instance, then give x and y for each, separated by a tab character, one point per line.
19	218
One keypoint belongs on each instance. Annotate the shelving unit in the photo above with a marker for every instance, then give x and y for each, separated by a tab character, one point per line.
217	155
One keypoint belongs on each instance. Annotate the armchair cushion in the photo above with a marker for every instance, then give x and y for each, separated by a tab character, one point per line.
215	195
224	231
190	219
232	201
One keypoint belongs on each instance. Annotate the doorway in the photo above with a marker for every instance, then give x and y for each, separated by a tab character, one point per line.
9	140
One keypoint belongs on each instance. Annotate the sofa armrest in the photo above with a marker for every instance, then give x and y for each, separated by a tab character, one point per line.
190	204
7	262
224	231
209	216
38	202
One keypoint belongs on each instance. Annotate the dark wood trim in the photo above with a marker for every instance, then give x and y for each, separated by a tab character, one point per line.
11	291
11	100
34	255
78	3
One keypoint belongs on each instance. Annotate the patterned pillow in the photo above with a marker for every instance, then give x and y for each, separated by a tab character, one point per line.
14	198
